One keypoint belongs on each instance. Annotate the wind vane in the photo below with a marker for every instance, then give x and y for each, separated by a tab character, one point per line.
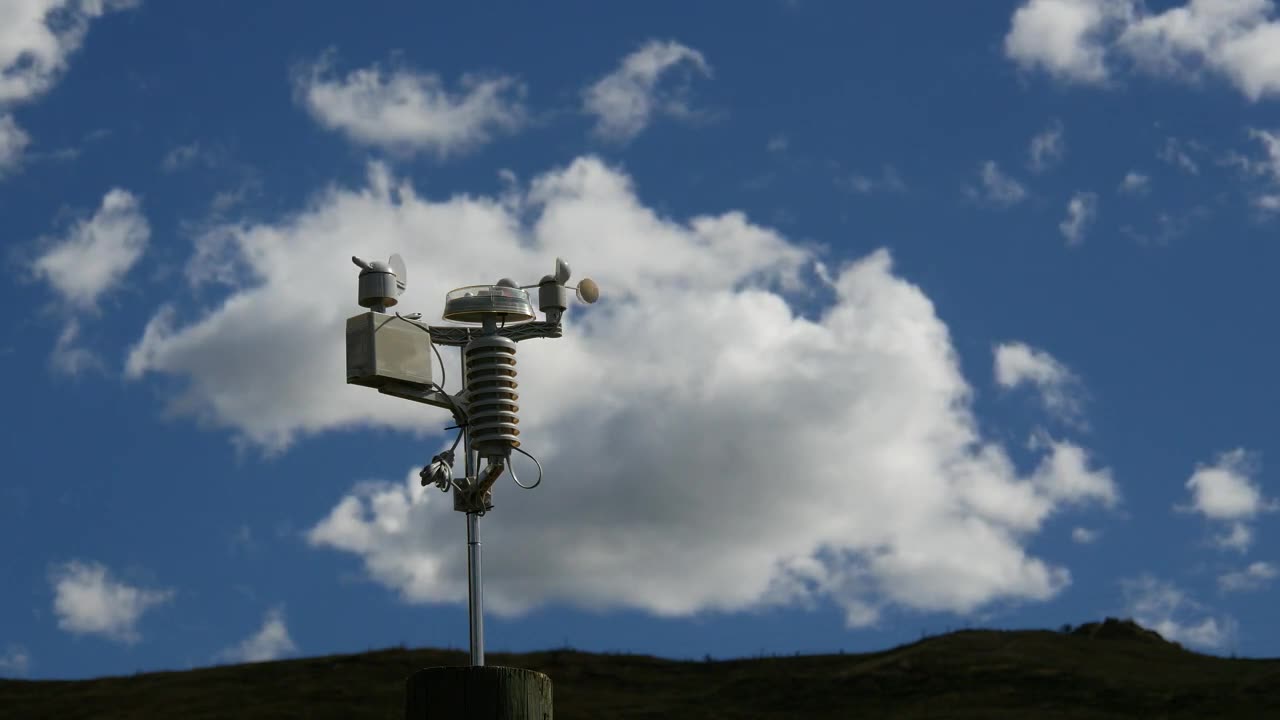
392	353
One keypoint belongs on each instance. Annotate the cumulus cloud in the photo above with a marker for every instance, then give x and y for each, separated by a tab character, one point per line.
1225	492
13	141
1082	210
1089	41
405	111
270	642
88	600
1066	38
37	39
68	357
626	100
15	661
1270	165
997	188
90	260
1175	152
665	415
1167	609
890	180
1238	39
1253	577
184	156
1267	167
1060	391
1238	536
95	254
1064	475
1267	203
1085	536
1135	183
1047	148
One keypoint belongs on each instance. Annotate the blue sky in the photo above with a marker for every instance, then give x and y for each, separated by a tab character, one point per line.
914	318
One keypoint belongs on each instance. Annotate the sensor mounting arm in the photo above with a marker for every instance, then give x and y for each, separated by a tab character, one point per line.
453	336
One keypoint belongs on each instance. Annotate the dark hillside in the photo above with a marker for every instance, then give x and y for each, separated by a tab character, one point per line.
1113	669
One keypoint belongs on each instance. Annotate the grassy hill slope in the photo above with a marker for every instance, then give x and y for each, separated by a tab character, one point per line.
1101	670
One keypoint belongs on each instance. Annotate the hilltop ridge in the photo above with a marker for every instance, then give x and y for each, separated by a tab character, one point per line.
1109	669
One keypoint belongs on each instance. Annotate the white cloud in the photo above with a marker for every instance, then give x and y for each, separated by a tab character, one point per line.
87	600
1085	40
1235	38
660	415
1060	390
1239	536
1135	183
1064	476
777	144
1085	536
1168	610
37	38
1270	140
1175	153
890	180
96	254
997	188
184	156
404	111
70	359
15	661
91	259
1047	148
1065	37
271	642
248	188
1268	201
1082	210
1253	577
1225	492
13	141
242	538
626	100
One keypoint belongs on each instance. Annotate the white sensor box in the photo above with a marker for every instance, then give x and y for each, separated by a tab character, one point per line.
384	348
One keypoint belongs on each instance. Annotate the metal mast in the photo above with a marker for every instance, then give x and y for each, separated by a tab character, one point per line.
392	353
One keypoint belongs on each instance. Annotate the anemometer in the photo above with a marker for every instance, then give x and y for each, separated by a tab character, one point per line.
392	353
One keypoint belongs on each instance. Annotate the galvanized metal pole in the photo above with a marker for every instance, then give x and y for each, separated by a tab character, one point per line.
474	591
475	596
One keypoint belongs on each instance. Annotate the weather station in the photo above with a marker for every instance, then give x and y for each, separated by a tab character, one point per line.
393	354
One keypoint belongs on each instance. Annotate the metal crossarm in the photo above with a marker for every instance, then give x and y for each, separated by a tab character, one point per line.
451	336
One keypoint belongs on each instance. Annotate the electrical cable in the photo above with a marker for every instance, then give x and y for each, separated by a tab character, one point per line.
444	372
511	468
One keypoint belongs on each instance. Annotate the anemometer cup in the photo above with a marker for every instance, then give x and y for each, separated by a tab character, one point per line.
588	291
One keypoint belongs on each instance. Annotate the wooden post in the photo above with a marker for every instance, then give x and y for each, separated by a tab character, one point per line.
477	693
